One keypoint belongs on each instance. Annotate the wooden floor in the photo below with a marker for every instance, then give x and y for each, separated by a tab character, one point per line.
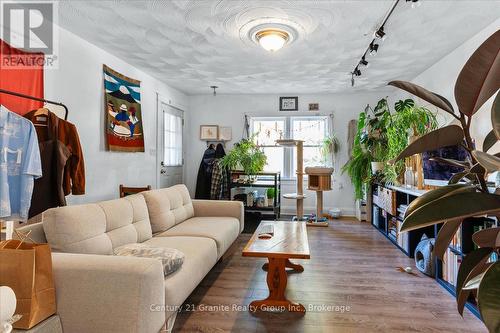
352	271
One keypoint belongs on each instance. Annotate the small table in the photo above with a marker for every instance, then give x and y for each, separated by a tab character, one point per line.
288	242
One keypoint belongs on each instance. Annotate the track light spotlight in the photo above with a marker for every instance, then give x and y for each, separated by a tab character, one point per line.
414	3
380	33
373	48
357	72
364	62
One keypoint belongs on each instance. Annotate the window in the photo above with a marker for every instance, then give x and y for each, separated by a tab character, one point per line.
311	129
172	139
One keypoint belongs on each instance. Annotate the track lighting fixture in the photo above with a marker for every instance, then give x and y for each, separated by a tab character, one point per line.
380	33
214	87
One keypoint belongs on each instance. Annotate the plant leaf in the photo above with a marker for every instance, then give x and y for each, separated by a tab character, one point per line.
495	116
457	177
487	238
451	207
472	264
445	136
450	161
429	96
436	194
479	79
474	282
444	237
477	168
488	299
490	162
489	140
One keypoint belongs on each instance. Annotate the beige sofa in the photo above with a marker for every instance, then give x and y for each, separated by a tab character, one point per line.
99	292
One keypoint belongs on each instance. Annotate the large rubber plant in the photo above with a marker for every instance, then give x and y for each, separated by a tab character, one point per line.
466	195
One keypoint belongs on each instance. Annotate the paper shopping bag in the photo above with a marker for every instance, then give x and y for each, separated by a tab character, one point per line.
27	269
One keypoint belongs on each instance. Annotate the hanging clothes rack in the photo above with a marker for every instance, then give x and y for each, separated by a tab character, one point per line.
3	91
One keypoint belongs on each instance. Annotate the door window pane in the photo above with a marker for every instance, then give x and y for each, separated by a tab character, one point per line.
172	140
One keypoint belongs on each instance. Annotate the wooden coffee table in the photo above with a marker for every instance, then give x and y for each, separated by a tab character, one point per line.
288	242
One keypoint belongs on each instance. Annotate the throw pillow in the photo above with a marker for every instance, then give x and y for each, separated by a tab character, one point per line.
172	259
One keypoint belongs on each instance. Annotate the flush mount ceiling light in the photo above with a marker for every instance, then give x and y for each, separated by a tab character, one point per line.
271	34
272	39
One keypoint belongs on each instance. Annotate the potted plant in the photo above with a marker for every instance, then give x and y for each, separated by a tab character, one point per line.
246	156
270	194
359	165
375	134
329	149
406	124
466	194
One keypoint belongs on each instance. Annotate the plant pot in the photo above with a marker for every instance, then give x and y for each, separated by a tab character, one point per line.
377	166
270	202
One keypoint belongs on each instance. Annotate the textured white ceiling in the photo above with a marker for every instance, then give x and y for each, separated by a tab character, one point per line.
191	45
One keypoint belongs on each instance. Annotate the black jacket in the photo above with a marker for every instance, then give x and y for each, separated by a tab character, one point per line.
204	179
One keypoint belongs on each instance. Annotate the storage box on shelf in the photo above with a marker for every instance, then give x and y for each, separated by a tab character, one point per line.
260	183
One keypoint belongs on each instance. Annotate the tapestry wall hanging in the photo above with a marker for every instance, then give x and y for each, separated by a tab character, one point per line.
122	100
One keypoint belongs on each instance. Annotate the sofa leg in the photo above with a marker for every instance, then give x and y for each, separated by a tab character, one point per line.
169	324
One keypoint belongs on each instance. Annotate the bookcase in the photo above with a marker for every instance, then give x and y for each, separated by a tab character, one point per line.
461	245
387	205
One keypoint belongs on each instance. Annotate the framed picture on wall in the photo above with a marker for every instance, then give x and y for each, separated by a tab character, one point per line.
225	133
209	132
289	103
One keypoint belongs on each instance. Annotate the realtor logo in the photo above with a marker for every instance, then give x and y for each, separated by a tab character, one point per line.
30	27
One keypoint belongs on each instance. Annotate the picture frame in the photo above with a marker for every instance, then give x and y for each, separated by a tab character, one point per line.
225	133
289	103
313	106
209	132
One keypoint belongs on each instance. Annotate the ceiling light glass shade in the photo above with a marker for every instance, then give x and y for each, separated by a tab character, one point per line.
272	40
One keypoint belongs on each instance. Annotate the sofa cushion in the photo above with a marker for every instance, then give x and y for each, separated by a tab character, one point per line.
223	230
200	256
168	207
97	228
170	258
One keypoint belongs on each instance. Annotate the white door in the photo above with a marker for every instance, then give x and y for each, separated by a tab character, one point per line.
170	147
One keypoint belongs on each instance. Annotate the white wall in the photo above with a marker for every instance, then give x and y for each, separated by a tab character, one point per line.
229	110
441	77
79	84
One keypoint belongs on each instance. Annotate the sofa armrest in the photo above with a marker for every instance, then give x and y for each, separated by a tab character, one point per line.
100	293
210	208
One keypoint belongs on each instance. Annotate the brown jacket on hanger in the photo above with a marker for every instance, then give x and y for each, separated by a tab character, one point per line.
74	170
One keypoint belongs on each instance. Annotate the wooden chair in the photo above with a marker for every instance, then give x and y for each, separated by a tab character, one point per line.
124	190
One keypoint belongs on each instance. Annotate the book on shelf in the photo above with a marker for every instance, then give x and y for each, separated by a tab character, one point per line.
450	265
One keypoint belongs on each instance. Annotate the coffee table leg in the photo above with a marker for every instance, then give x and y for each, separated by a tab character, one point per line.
288	264
276	282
